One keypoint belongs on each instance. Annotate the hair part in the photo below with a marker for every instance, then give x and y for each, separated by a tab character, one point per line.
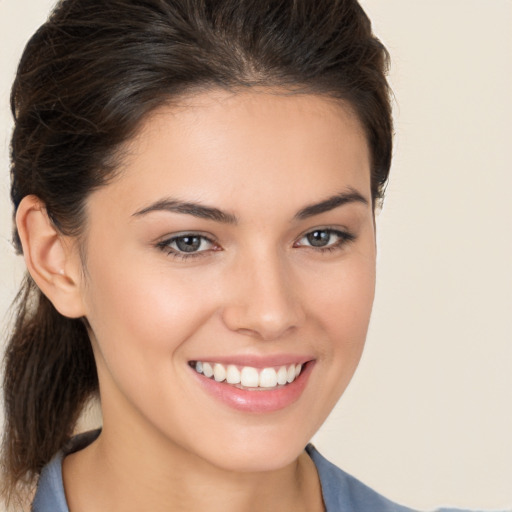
87	79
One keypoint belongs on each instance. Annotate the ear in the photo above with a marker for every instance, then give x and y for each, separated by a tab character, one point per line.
51	258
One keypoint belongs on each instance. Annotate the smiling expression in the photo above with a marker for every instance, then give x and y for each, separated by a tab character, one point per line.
237	240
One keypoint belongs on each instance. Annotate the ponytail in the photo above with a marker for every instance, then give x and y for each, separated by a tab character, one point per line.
49	374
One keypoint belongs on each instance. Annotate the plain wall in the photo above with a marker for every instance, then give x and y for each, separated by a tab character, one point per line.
427	419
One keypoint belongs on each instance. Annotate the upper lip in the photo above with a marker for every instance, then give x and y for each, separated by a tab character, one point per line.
257	361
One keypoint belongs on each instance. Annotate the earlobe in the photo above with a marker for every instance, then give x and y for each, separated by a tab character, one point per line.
50	258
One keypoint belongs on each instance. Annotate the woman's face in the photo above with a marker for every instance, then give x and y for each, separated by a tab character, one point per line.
238	237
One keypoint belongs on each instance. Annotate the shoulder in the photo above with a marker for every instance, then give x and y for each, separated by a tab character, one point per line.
50	496
344	493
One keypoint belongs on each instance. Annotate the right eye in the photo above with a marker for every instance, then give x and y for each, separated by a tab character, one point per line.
188	245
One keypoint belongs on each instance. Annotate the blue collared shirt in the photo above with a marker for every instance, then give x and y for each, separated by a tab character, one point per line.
341	492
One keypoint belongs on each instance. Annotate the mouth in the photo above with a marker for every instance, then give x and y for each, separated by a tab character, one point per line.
249	377
254	389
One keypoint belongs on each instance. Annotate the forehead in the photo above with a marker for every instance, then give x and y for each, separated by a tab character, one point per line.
245	145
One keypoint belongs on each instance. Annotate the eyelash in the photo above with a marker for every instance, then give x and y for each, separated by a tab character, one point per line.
344	239
165	245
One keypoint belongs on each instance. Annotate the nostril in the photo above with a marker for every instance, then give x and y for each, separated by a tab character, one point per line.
265	333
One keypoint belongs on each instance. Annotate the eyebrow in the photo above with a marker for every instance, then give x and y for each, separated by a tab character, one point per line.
217	215
351	196
189	208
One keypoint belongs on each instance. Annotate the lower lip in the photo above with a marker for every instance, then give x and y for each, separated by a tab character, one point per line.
257	400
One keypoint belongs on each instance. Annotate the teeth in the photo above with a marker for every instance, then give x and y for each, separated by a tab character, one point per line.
207	370
290	373
268	378
219	372
282	376
232	375
247	376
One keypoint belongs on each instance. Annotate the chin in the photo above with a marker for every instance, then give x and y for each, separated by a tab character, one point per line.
262	451
258	459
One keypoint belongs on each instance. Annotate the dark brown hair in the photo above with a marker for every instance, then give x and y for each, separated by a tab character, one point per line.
86	79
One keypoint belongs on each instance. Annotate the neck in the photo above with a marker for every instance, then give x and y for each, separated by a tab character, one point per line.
133	471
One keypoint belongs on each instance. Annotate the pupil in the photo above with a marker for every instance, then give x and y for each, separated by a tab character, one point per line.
188	243
318	238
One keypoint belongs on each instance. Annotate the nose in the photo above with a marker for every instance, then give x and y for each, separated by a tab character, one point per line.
263	301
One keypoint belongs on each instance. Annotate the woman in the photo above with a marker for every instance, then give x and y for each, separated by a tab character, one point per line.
194	187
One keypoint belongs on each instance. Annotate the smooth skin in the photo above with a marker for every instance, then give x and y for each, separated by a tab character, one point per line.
256	283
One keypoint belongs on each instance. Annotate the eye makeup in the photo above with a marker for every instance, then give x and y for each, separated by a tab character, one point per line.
190	245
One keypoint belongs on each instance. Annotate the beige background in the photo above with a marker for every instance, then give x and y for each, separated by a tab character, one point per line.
428	418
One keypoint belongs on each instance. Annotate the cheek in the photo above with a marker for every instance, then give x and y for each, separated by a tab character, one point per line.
143	311
343	302
340	306
141	323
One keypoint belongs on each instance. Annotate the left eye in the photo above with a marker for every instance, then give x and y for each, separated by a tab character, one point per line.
324	238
